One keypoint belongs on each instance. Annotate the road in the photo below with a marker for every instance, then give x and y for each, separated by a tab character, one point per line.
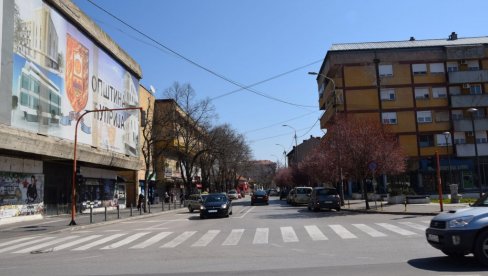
275	239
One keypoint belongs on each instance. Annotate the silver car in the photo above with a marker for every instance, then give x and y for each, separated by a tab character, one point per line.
195	201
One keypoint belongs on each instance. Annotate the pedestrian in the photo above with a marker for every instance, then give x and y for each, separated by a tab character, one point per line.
172	196
140	202
166	197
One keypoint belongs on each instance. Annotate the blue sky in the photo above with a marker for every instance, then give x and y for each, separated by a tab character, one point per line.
254	40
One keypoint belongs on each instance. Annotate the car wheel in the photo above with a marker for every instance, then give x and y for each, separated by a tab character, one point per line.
316	209
202	217
252	203
309	208
190	209
230	212
453	254
338	209
481	248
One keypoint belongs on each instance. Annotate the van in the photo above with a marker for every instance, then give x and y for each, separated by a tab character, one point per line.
324	198
301	195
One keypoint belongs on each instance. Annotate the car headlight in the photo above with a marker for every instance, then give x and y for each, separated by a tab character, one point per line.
202	207
460	222
224	206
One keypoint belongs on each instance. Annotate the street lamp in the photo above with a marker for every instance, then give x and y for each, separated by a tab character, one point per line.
447	135
284	152
473	110
333	87
296	146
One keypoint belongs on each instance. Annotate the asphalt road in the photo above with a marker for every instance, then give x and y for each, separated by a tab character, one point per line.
276	239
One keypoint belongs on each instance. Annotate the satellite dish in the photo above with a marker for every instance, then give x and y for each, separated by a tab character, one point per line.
153	90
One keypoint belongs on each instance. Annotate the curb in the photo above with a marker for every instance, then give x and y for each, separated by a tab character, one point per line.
391	212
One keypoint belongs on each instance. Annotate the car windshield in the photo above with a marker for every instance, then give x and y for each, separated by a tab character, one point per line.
232	192
303	191
260	192
216	198
482	201
326	192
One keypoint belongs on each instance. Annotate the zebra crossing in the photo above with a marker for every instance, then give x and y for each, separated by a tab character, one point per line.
200	239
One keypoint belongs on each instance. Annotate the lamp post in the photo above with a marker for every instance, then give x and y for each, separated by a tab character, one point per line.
73	187
447	135
296	146
333	87
473	110
284	152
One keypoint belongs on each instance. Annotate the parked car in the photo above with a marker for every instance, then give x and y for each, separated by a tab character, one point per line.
194	201
301	195
290	196
284	193
324	198
259	196
216	205
232	194
460	232
272	192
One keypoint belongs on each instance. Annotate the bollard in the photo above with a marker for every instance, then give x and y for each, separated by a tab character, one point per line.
131	210
405	204
169	205
375	206
140	209
91	214
381	205
118	212
149	207
105	213
175	204
162	205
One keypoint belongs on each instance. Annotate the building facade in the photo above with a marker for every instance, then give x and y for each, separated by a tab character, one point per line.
56	64
431	93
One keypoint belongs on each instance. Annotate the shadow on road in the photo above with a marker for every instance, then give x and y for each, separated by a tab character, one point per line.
447	264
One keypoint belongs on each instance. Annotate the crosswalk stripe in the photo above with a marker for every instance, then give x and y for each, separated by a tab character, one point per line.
95	243
315	233
45	244
261	236
13	247
288	234
152	240
342	232
414	225
234	237
369	230
73	243
206	238
16	240
396	229
125	241
178	240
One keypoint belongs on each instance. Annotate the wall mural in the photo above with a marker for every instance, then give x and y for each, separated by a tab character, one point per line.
59	74
21	194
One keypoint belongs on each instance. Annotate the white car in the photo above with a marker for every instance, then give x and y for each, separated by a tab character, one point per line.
232	194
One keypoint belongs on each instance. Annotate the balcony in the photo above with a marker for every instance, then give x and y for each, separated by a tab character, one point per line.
464	125
467	101
467	150
468	76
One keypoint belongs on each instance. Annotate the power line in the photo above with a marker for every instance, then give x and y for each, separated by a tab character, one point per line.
243	87
280	123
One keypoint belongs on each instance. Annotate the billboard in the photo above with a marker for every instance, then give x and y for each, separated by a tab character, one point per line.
59	73
21	194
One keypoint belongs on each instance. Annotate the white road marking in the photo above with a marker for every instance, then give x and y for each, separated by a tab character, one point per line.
45	244
24	244
315	233
73	243
125	241
247	212
17	240
152	240
234	237
261	236
396	229
95	243
342	232
288	234
206	238
414	225
178	240
369	230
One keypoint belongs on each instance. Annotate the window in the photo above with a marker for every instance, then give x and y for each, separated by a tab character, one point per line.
424	116
419	69
387	94
455	90
441	140
436	68
442	116
459	138
473	65
452	67
475	89
422	93
426	141
389	118
457	115
385	70
439	92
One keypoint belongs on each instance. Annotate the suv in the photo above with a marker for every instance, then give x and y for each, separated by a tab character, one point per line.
301	195
463	231
324	198
195	201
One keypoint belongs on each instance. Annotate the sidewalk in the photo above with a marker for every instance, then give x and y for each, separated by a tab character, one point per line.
382	207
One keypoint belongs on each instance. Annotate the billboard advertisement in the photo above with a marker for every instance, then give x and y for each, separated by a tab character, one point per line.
59	73
21	194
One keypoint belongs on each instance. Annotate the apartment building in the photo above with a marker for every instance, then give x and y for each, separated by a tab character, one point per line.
431	93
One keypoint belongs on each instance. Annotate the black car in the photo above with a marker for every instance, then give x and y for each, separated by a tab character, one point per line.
324	198
259	196
284	193
216	205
